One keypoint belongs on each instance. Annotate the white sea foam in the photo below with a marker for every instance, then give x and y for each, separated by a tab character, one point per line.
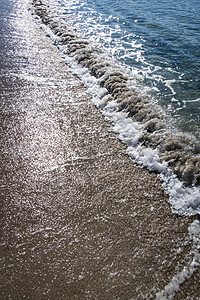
183	200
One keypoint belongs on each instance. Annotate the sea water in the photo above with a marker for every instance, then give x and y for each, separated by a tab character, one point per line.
158	41
140	62
56	245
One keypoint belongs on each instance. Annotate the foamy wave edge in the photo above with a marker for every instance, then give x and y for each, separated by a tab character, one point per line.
193	264
141	125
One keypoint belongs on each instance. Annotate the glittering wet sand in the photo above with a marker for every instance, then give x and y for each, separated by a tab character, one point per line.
79	219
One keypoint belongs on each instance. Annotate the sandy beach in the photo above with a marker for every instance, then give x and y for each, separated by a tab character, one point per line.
80	220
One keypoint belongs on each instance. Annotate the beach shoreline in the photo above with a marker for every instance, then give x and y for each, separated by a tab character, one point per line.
80	219
178	150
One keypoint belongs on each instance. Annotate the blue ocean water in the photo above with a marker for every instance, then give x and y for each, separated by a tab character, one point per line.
158	41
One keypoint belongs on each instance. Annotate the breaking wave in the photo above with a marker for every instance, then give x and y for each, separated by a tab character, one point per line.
143	125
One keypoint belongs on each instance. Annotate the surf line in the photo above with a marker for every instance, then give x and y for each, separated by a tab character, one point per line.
179	150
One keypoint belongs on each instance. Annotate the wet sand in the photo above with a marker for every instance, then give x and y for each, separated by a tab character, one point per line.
79	219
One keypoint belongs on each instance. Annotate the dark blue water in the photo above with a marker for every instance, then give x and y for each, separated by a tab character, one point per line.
158	41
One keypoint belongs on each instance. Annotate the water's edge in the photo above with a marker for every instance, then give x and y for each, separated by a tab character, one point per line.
180	151
141	125
80	220
118	102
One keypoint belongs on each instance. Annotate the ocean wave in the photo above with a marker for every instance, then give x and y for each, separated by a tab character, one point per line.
178	152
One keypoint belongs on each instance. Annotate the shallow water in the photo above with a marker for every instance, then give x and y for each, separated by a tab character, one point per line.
152	138
158	41
78	219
